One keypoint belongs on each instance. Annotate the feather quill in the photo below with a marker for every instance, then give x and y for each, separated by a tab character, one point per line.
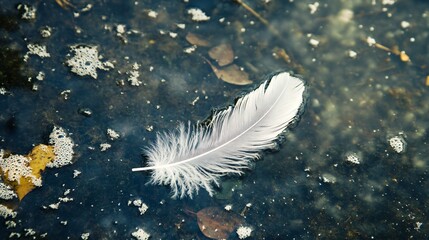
191	158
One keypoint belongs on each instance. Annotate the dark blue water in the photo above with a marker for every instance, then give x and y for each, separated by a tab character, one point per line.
305	190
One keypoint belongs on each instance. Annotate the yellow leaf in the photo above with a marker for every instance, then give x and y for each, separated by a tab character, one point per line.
39	157
26	185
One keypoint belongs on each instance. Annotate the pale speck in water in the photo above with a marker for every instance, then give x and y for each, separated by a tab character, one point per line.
397	143
198	15
105	146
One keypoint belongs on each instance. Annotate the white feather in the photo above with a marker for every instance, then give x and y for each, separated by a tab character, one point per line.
191	158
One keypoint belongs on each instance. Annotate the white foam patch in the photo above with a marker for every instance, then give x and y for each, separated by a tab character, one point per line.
63	148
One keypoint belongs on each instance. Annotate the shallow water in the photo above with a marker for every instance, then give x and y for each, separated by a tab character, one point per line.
305	190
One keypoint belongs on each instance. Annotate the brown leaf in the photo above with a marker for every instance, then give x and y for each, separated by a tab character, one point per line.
196	40
281	53
222	53
217	223
231	74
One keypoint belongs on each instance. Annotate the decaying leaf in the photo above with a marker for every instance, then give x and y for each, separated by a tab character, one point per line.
39	157
281	53
197	40
231	74
217	223
223	54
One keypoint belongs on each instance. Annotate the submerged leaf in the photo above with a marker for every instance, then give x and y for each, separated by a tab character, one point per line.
231	74
217	223
195	39
223	54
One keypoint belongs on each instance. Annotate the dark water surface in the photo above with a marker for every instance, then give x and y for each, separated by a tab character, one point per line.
360	96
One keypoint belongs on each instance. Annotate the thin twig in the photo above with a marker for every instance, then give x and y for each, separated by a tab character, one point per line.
259	17
248	8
